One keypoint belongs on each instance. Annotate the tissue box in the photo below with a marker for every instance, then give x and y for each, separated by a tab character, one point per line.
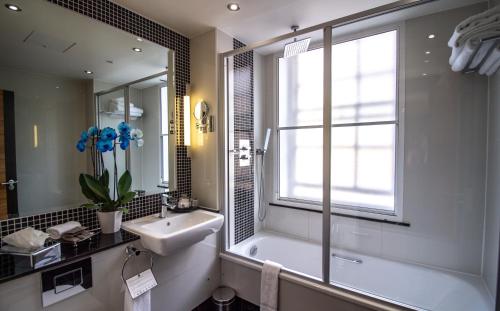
49	253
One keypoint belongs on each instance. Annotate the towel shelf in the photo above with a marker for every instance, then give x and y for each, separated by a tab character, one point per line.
468	68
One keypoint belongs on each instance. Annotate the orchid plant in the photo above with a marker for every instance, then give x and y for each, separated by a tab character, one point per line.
96	187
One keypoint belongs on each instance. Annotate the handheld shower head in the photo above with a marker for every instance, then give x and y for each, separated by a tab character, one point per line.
266	140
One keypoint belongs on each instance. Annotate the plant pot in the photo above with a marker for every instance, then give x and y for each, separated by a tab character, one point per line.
110	222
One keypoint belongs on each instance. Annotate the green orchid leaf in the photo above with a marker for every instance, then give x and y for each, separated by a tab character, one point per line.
124	210
104	179
97	189
89	205
127	197
124	183
86	190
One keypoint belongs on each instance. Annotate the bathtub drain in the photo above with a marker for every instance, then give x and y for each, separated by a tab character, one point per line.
253	250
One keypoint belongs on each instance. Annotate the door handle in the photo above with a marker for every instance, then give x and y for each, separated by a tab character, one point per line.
11	184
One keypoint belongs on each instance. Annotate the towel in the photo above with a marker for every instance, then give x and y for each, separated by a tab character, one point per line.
486	18
56	232
141	303
490	65
26	239
269	286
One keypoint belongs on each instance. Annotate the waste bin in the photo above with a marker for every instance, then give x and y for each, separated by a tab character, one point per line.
224	299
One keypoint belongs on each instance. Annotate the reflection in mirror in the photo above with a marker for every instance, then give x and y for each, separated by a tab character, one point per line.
200	113
48	80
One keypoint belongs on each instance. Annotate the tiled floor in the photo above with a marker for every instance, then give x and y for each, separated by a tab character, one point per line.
239	305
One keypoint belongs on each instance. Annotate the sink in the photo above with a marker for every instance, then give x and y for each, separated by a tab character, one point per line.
164	235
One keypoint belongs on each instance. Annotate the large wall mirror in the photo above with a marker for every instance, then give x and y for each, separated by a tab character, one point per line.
56	82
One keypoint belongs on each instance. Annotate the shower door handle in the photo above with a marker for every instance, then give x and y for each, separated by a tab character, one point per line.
11	184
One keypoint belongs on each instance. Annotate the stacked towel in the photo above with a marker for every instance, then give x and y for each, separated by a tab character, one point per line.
56	232
468	38
269	286
118	107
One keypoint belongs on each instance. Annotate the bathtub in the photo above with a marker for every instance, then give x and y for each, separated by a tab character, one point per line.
422	287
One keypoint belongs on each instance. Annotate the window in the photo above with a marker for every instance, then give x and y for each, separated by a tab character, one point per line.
365	124
164	135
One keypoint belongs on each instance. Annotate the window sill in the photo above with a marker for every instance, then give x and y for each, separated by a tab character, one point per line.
386	221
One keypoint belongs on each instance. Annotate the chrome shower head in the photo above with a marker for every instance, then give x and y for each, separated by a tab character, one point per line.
297	46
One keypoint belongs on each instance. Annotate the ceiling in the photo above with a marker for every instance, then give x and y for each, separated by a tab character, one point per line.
256	20
34	40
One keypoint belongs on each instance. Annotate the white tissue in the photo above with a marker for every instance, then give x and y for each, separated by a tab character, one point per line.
27	238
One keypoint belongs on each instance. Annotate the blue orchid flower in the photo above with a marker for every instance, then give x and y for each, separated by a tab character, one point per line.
108	133
84	136
124	128
124	144
93	131
81	146
104	145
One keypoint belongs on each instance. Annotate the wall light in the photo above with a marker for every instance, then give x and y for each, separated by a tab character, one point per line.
35	136
187	120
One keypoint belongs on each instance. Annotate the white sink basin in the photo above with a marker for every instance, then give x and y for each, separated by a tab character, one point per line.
164	235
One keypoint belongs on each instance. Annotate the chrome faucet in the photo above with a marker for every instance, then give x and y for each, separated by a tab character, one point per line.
163	212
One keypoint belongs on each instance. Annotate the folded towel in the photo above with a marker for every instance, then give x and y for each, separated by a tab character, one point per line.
141	303
26	239
490	65
489	17
56	232
269	286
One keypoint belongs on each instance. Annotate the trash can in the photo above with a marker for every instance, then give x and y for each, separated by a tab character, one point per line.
224	299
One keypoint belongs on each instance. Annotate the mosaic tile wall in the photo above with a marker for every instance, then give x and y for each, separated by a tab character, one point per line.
244	187
119	17
139	207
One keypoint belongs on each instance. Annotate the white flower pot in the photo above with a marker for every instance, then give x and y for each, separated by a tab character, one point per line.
110	222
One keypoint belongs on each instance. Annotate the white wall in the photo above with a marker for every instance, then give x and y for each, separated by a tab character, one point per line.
204	86
444	164
186	279
492	217
47	174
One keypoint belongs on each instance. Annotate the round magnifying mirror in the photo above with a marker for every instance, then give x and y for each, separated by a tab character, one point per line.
200	111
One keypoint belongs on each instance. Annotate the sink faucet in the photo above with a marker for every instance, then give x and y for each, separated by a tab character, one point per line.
163	212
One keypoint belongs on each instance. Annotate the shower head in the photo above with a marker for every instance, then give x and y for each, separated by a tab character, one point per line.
297	46
266	141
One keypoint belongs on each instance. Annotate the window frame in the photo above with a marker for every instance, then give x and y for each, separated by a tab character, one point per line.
397	214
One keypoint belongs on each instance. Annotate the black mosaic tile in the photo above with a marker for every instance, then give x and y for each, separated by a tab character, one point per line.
244	188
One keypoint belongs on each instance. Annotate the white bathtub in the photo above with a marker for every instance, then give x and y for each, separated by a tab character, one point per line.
419	286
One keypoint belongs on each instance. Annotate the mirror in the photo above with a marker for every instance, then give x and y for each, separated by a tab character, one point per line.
201	114
56	82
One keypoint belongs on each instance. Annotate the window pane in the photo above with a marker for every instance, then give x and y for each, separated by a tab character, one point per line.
164	111
164	159
364	75
301	164
363	160
301	89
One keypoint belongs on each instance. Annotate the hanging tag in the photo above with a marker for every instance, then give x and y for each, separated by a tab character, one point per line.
141	283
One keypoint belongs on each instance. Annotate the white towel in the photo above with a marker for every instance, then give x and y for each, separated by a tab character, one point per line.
269	286
485	18
490	65
56	232
141	303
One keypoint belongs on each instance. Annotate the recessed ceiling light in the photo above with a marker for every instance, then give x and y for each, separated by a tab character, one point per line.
427	52
424	74
137	49
13	7
139	39
427	61
431	36
88	72
233	7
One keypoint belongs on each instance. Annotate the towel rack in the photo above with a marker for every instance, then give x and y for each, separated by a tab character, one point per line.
496	39
132	251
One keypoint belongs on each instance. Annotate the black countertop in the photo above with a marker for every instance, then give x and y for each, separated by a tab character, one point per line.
13	267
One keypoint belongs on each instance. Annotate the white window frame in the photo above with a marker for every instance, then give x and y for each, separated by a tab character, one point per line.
397	214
